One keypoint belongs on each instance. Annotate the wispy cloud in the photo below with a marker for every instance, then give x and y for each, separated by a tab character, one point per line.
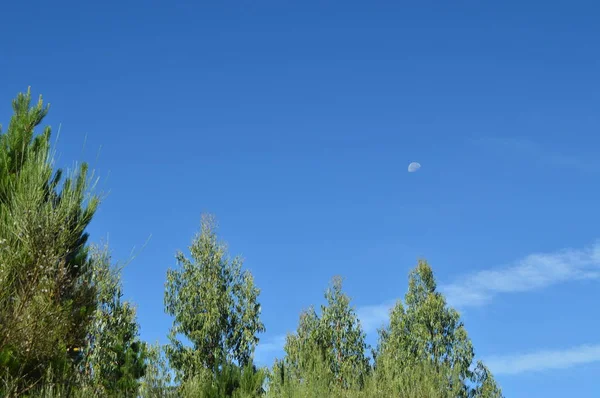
374	316
534	150
544	360
536	271
269	349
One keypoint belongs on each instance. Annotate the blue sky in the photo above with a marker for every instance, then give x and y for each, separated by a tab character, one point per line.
294	123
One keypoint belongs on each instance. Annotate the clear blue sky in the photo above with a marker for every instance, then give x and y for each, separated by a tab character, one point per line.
294	123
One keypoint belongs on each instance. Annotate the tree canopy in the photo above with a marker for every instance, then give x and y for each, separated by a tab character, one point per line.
52	292
214	304
65	329
426	331
45	298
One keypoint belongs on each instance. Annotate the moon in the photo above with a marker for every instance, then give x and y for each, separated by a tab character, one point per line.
414	166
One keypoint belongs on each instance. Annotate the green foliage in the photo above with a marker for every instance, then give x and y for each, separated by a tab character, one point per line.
113	357
424	351
65	330
306	353
45	302
485	385
427	332
344	338
421	381
227	380
156	381
214	305
329	350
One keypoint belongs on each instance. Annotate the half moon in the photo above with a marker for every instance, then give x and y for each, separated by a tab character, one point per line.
414	166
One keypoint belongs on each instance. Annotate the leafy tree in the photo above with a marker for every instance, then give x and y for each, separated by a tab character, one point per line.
113	355
484	384
65	329
428	331
344	338
214	305
306	355
157	380
228	380
327	350
45	302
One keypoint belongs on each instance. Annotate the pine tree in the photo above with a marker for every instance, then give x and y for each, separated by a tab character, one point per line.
45	300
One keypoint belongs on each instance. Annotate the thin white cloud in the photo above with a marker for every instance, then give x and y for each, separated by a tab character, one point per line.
373	317
544	360
533	150
266	351
533	272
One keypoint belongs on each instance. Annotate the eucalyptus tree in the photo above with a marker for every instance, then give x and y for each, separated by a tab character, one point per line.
113	355
327	350
214	305
425	330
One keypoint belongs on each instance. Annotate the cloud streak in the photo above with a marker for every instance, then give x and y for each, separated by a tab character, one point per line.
374	316
536	271
533	272
266	351
532	149
544	360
